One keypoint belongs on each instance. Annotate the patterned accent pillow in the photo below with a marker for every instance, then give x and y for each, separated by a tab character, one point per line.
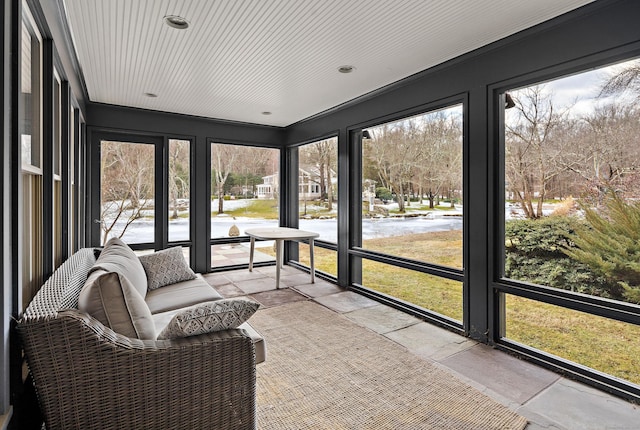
166	267
208	317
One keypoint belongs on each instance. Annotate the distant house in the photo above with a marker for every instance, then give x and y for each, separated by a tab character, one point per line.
309	184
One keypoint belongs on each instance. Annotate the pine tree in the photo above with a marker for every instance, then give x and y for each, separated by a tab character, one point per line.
609	243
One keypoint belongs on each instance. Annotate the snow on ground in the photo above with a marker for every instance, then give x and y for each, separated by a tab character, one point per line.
416	221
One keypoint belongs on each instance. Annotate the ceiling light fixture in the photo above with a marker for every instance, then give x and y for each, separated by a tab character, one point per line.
176	21
346	69
150	94
266	113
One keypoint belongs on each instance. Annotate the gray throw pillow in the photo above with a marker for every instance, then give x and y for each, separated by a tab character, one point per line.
209	317
118	257
110	298
166	267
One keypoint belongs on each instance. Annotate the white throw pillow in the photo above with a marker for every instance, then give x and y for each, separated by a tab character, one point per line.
166	267
209	317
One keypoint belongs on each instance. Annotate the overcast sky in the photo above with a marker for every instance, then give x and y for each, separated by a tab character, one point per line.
582	89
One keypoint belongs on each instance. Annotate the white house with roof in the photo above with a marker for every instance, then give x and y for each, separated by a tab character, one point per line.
309	184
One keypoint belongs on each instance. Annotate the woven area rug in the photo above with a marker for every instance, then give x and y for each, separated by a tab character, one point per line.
323	371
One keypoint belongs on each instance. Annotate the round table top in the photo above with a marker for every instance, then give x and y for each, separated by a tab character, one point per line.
286	233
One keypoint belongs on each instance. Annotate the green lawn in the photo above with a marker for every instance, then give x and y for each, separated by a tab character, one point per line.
606	345
256	208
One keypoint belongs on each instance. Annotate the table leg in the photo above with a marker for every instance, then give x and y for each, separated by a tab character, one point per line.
251	249
279	252
313	271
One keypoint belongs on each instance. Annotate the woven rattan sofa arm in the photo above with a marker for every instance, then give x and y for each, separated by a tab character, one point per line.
89	377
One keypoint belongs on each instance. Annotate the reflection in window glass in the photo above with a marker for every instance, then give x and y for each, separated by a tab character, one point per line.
412	187
179	189
245	189
600	343
127	191
571	174
443	296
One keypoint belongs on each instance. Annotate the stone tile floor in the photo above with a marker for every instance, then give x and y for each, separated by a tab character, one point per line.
545	398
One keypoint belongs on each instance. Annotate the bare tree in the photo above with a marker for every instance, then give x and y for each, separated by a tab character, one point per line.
223	159
395	152
126	184
322	154
178	173
532	156
605	153
251	165
624	82
440	161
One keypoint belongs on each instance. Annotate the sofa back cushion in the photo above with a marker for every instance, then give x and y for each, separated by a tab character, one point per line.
118	257
110	298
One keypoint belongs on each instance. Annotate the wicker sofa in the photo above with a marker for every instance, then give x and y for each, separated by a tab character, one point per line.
87	376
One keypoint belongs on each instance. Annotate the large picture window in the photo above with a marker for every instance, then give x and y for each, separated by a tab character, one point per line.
571	213
318	200
127	192
412	207
245	193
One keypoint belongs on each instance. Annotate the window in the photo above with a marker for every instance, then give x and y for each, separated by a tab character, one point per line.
318	201
179	189
571	186
127	201
412	187
30	93
245	193
600	343
412	205
30	123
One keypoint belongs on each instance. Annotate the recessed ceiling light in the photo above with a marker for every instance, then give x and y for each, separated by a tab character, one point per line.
346	69
176	21
266	113
150	94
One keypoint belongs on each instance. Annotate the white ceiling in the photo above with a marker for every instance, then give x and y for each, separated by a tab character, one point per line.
239	58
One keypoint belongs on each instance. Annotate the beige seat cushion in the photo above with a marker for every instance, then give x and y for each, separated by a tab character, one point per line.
181	295
258	342
110	298
118	257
